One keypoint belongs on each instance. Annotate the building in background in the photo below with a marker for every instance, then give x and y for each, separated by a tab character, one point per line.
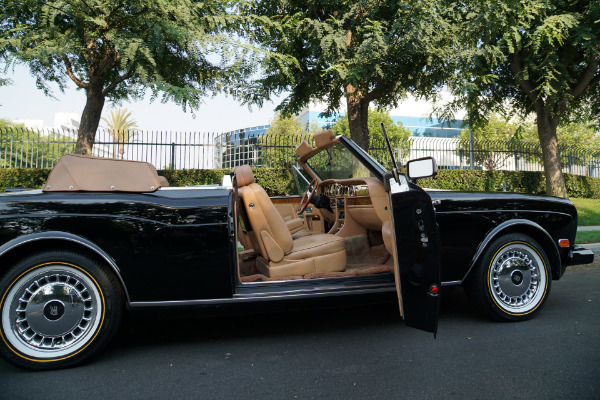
66	121
414	114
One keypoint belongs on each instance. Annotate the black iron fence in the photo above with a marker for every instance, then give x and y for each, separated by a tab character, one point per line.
26	148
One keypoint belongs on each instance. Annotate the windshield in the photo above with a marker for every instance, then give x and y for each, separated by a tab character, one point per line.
338	162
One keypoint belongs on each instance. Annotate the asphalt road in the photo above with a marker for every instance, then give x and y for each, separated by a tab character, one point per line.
356	353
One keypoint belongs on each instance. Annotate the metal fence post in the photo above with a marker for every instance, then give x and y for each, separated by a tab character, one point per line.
471	150
172	166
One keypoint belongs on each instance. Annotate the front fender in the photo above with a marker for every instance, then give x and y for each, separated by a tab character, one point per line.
527	227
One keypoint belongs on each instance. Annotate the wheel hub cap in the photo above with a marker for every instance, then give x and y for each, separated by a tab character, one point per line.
515	277
53	310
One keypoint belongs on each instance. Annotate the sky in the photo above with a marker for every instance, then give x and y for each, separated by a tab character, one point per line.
23	101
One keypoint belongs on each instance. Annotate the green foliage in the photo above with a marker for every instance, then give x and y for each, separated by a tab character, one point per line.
576	135
192	177
275	181
534	56
581	136
496	139
527	53
587	237
497	128
361	52
121	128
588	211
23	177
5	124
395	131
280	182
281	139
27	148
119	50
517	181
398	134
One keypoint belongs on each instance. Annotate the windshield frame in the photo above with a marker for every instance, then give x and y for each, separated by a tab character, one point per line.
376	169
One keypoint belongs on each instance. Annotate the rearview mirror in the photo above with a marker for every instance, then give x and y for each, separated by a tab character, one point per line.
419	168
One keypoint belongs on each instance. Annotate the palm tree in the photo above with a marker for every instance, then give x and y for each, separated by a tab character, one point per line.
121	128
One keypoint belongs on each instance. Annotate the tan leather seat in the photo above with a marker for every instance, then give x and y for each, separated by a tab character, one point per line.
280	254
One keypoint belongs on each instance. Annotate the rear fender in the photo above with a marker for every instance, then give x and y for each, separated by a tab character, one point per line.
14	245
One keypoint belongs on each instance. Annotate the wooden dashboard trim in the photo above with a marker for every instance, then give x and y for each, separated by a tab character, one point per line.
358	201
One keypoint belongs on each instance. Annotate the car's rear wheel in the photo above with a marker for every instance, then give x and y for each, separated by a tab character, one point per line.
57	308
512	280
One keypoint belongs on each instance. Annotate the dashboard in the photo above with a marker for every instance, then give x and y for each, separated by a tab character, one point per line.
339	190
358	205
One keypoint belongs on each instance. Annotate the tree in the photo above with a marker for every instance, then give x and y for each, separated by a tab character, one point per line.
121	128
498	139
116	50
21	147
278	144
362	52
398	134
536	56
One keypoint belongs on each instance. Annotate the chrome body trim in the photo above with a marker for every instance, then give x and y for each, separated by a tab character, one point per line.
451	283
255	298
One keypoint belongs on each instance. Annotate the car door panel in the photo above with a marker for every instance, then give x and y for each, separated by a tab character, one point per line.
417	255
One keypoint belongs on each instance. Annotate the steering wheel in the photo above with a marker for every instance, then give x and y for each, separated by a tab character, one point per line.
310	191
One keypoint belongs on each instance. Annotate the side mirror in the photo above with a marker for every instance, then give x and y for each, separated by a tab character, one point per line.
419	168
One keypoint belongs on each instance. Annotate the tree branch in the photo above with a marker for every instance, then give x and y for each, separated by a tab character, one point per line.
72	75
588	78
119	79
376	93
515	65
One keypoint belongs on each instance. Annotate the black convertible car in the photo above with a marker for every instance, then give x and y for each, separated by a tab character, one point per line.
105	237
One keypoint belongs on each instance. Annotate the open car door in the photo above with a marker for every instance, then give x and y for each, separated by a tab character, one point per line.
417	243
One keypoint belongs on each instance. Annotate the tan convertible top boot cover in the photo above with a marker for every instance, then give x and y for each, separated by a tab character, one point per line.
75	172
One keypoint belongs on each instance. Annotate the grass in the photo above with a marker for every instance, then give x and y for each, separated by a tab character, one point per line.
587	237
588	211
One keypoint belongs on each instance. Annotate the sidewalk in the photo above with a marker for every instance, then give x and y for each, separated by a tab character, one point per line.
588	228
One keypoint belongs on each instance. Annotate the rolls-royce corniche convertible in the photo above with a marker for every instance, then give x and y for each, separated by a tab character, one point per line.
104	237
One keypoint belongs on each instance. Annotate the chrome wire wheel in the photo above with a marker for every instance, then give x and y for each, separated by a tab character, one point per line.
52	311
511	280
518	278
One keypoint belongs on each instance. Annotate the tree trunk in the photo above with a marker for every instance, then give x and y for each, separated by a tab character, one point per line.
358	116
555	183
90	119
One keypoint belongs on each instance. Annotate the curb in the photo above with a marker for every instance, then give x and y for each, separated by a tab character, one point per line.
588	228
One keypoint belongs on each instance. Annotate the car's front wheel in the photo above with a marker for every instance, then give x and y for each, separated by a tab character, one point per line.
57	308
512	279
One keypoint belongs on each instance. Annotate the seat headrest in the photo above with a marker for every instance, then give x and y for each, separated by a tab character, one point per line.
243	175
324	138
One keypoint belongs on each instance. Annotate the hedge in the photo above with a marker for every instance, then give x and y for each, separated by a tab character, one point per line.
515	181
279	182
276	181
